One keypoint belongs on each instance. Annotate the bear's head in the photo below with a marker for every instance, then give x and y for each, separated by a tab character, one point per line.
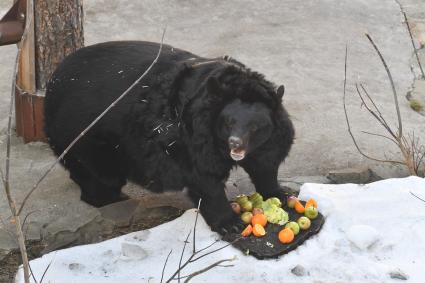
248	108
244	126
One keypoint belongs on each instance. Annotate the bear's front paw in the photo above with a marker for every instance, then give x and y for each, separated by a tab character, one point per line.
232	224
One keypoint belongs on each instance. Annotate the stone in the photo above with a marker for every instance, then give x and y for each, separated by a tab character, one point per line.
299	271
33	231
146	215
81	215
294	184
75	266
360	175
398	274
120	213
165	206
61	240
417	95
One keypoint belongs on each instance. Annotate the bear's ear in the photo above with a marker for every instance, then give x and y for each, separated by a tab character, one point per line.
213	86
280	91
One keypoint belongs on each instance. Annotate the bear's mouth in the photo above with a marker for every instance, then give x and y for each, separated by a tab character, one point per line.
237	154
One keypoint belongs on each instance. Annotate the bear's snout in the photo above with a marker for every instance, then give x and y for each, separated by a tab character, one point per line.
235	142
237	148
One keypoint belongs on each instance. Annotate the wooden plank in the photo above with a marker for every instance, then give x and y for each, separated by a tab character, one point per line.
28	132
18	112
30	116
26	72
38	108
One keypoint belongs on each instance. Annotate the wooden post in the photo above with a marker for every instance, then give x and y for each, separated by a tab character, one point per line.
55	32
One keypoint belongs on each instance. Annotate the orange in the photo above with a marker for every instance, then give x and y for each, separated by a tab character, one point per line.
299	207
311	202
247	231
286	236
259	219
258	230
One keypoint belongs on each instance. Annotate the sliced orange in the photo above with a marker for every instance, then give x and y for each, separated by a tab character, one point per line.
311	202
286	236
259	219
258	230
247	231
299	207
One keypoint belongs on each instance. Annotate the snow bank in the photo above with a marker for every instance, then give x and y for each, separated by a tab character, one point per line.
372	233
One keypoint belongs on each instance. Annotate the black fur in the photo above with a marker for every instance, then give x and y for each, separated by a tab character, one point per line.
172	130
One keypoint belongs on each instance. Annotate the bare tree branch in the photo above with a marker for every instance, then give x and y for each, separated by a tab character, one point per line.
400	125
194	227
182	254
216	250
384	122
413	45
375	115
192	275
47	268
165	264
5	176
28	215
348	122
382	136
192	257
208	246
92	124
417	197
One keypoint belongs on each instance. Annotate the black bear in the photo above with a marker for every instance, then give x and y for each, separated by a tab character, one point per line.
186	124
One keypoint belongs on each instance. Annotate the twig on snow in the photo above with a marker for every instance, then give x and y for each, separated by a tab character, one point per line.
194	226
417	197
218	263
165	264
195	255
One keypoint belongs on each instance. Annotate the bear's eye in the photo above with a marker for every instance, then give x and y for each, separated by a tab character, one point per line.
254	128
229	122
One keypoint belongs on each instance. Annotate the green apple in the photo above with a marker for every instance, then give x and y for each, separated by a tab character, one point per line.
258	203
255	197
293	226
274	201
247	206
311	212
236	207
246	217
291	201
241	199
257	210
304	223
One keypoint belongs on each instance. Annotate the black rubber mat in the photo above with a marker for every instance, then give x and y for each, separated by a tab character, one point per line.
269	245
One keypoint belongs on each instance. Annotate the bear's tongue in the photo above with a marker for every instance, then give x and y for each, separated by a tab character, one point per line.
237	154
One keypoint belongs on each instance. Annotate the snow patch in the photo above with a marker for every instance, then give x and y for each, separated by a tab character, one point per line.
372	233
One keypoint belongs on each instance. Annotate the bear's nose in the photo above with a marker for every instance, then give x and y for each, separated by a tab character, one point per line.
235	142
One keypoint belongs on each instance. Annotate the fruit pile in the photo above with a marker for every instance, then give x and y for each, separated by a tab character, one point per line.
257	213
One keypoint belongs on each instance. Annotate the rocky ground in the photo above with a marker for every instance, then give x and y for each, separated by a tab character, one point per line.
299	44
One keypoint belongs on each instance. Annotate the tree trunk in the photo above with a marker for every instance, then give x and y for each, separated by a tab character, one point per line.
56	31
